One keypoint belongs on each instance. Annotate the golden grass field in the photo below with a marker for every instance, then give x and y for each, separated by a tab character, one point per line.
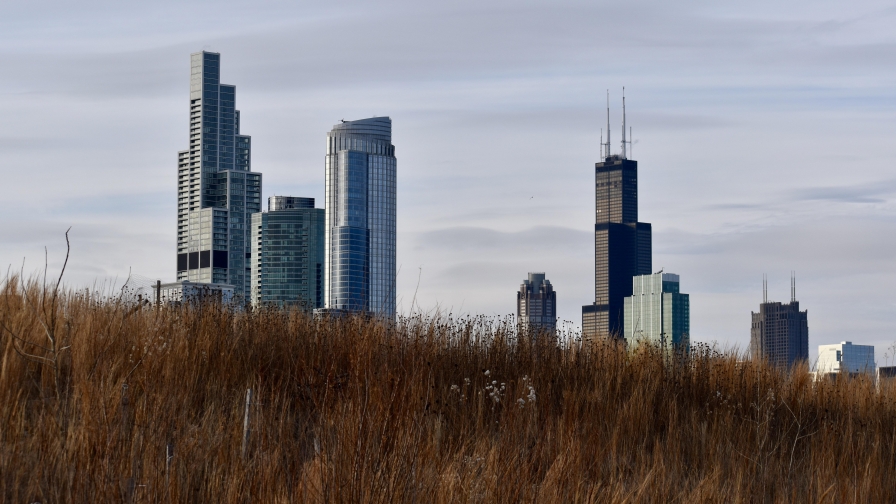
94	390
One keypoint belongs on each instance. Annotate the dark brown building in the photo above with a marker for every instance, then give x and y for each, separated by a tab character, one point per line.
780	334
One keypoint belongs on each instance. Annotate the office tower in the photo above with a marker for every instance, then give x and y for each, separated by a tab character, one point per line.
536	304
360	217
845	357
622	245
216	189
657	312
288	253
780	332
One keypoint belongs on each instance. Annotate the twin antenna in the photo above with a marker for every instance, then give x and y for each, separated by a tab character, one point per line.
626	144
792	287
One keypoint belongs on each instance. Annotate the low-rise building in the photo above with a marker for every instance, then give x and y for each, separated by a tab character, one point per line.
194	292
845	357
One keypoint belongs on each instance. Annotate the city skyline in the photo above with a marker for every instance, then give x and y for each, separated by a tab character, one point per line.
744	118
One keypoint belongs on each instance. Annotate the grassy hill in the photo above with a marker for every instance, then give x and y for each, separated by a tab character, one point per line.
107	401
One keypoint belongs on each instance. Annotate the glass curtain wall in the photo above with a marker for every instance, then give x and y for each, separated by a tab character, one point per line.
360	215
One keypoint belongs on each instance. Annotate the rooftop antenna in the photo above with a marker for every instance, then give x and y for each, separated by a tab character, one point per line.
623	123
792	286
601	141
608	123
764	289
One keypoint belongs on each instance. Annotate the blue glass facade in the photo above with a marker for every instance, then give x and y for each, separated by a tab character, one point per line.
360	217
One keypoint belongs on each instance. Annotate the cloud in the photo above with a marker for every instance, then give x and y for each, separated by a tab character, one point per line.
865	193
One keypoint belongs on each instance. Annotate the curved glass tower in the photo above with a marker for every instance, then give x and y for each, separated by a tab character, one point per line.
360	217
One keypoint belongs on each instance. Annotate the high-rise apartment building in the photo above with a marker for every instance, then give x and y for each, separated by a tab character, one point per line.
288	253
657	312
360	217
845	357
622	245
216	189
780	332
536	304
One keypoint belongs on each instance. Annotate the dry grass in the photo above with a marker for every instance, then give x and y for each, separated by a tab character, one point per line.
425	410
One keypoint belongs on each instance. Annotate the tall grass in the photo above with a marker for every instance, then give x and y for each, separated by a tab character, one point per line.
422	410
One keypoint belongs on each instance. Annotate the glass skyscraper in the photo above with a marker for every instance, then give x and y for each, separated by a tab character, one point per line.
657	312
536	304
622	246
360	217
216	189
288	253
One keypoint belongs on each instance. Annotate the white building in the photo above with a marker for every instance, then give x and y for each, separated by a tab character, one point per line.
846	357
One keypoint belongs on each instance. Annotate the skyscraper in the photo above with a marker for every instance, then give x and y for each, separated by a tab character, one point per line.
657	312
536	303
780	332
360	217
288	253
622	245
216	189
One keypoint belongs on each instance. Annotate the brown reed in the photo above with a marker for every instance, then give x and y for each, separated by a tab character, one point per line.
425	409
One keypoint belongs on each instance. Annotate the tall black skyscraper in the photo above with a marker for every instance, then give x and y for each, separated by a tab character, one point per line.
622	245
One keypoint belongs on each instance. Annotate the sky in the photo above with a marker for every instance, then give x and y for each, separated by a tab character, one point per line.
763	132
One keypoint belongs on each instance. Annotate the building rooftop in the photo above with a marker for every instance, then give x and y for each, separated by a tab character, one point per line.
377	127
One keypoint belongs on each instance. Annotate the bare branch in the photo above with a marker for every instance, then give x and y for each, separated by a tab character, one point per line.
33	358
68	249
24	341
17	337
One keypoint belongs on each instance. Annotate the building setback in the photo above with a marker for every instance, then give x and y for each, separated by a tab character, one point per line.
780	333
657	312
536	304
622	246
360	217
288	253
216	189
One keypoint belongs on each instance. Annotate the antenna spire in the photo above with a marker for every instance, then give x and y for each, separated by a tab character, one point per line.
792	286
608	123
623	122
764	289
